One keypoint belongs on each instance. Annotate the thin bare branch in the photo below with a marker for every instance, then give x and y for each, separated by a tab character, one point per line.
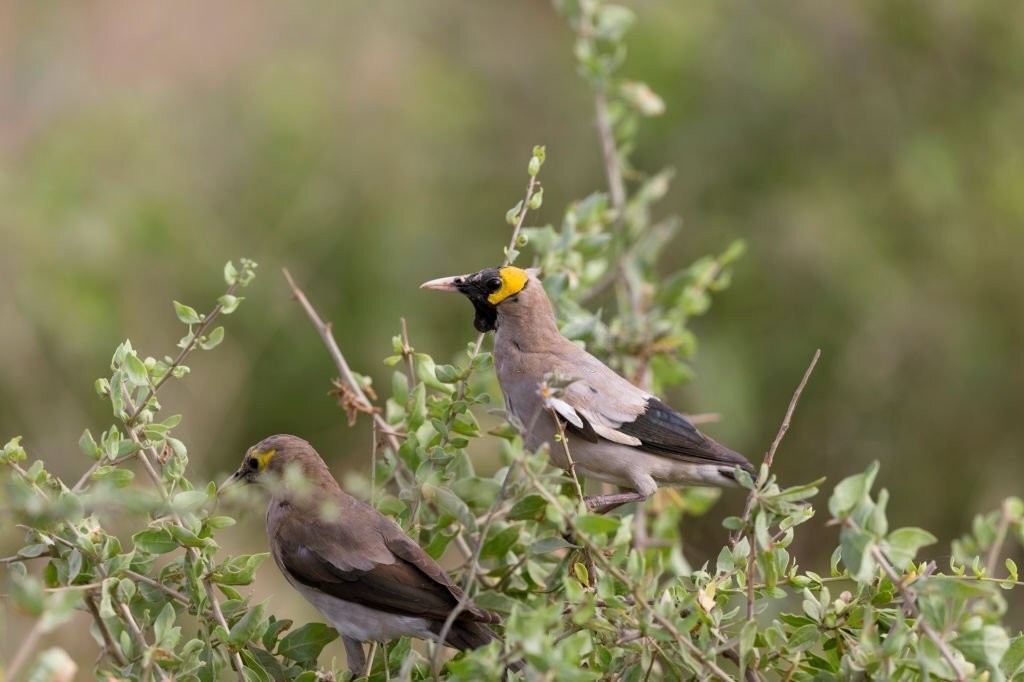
769	458
25	650
997	544
612	163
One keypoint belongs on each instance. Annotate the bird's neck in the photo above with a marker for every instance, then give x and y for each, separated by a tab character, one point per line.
529	323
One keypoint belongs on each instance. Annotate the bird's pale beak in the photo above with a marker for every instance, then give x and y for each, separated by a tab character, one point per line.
444	283
231	481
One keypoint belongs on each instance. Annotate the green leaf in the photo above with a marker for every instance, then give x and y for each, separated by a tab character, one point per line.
1012	664
595	524
274	629
154	541
136	369
218	522
239	570
498	544
88	445
189	500
527	508
856	552
902	544
120	478
447	374
165	635
229	303
186	314
803	638
512	215
230	273
551	544
581	573
851	491
305	644
748	635
985	646
613	21
246	627
213	339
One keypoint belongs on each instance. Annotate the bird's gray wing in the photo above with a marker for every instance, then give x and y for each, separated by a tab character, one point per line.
628	416
323	556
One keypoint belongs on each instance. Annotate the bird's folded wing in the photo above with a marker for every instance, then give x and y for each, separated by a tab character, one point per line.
407	550
639	420
398	588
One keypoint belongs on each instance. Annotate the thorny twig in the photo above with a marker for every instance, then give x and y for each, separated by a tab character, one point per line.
770	456
380	424
762	479
588	560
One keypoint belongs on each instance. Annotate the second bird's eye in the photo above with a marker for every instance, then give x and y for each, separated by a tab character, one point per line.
493	284
252	463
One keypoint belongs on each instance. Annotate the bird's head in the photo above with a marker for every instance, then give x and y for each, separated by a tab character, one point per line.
279	459
487	290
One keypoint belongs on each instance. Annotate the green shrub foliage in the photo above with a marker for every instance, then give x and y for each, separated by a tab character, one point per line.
133	541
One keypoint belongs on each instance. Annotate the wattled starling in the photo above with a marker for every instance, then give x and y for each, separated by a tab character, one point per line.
363	573
615	431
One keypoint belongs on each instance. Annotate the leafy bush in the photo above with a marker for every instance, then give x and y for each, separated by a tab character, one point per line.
585	596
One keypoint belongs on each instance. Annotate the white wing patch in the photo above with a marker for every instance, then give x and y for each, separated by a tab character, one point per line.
615	436
564	409
606	418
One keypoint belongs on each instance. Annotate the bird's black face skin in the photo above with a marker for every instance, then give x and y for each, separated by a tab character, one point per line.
250	468
477	287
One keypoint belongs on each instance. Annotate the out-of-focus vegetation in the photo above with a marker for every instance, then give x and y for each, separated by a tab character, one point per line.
868	154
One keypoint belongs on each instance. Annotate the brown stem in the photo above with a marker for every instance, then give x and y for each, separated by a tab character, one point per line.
612	164
997	543
770	457
910	601
108	639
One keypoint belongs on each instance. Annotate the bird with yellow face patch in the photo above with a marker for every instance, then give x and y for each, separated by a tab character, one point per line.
616	432
357	567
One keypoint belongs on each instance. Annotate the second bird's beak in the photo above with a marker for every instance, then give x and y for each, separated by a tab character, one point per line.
232	481
444	283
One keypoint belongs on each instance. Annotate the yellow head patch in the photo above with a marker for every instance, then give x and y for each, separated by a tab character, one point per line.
513	280
263	458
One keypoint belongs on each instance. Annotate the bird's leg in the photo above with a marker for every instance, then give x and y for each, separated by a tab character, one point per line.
356	657
602	504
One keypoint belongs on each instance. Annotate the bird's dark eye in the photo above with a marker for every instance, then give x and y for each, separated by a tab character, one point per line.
493	284
252	463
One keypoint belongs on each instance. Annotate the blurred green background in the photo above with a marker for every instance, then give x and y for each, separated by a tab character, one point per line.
869	153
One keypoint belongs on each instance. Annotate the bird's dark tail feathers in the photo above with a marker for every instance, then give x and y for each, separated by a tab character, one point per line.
465	635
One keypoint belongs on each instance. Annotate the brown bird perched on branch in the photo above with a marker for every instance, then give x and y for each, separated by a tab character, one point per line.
615	431
357	567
